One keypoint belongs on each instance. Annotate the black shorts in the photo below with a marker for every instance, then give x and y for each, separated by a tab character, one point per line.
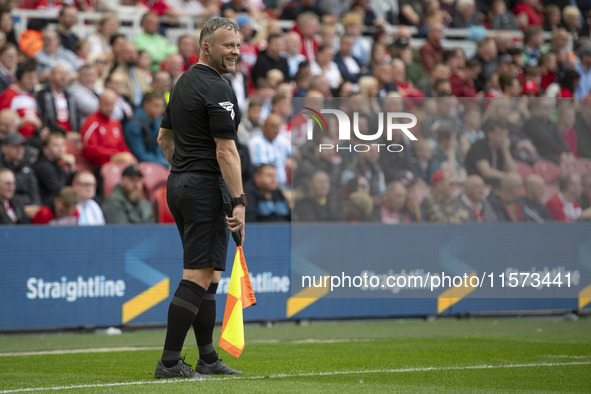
196	201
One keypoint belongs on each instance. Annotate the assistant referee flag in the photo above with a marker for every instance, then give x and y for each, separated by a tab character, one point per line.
240	296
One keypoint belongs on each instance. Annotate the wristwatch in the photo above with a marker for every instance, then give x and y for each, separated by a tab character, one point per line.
240	200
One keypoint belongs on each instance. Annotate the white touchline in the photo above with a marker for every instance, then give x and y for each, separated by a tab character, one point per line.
133	349
297	375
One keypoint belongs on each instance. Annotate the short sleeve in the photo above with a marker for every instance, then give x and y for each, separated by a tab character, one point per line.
222	111
166	124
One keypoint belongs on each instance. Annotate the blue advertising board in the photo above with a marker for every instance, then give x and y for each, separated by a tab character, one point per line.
125	275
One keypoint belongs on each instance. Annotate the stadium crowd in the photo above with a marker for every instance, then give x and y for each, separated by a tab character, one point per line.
502	135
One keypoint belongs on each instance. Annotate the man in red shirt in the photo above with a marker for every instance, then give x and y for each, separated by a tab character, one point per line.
432	51
17	98
563	206
102	136
62	212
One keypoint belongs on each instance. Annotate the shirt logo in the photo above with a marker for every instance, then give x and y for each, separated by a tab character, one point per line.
228	106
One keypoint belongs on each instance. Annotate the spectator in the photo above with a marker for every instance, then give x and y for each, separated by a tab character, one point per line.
462	84
446	113
367	164
152	42
353	25
174	64
234	8
349	66
571	21
472	131
314	159
50	172
57	108
271	148
393	163
529	13
440	73
12	211
448	153
505	201
358	207
583	67
465	15
432	52
118	44
106	28
316	206
7	26
135	79
102	135
61	211
544	134
90	213
293	49
307	28
474	201
248	51
266	203
502	19
123	110
486	54
564	206
271	58
82	92
565	121
583	128
552	17
52	54
423	160
162	83
440	205
250	126
27	187
393	209
586	195
141	132
126	204
8	123
66	19
18	99
325	65
8	63
533	39
491	157
532	202
186	48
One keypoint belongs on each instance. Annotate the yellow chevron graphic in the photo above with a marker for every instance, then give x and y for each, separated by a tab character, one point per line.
145	300
451	296
584	297
305	298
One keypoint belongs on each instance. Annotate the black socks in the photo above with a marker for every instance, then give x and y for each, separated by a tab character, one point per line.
184	306
203	325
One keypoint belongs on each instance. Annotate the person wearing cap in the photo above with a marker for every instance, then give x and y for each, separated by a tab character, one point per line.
441	205
126	204
27	186
12	211
61	211
198	136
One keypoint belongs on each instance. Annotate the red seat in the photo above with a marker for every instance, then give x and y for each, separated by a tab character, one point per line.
82	163
163	214
523	169
549	191
549	171
111	175
155	176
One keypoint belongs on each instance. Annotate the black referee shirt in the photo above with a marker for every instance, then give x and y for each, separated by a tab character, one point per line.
202	107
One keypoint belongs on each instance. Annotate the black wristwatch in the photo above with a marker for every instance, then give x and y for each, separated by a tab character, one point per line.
240	200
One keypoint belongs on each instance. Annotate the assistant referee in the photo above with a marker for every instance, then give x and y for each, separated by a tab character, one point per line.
198	137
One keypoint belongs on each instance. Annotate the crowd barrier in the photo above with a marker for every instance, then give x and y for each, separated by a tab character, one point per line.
79	277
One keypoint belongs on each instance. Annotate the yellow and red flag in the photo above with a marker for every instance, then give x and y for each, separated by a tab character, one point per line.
240	296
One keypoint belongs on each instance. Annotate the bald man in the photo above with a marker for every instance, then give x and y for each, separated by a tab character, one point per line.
505	201
102	136
533	203
271	148
474	201
57	108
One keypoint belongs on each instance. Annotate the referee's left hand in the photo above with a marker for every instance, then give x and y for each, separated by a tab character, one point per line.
236	222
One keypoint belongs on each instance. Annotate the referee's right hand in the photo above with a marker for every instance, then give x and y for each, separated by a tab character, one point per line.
236	222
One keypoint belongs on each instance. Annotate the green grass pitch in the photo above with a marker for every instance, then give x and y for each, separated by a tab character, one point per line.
445	355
